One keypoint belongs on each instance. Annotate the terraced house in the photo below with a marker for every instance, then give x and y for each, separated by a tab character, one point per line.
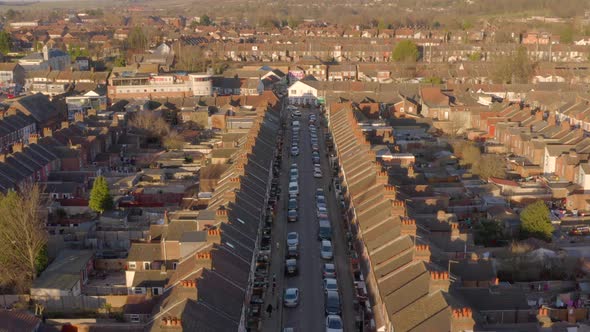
406	291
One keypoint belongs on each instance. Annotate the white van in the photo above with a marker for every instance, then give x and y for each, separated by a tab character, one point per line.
293	188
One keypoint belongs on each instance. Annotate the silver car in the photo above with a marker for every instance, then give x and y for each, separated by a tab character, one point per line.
330	284
326	251
292	239
291	297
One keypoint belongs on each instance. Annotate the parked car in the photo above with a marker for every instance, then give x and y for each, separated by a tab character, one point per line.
296	113
292	252
292	215
332	303
291	297
320	201
291	266
329	270
319	192
324	230
292	239
292	205
326	251
317	173
330	284
294	151
334	323
322	212
293	188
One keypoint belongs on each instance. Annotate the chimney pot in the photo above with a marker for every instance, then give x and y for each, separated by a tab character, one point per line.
17	147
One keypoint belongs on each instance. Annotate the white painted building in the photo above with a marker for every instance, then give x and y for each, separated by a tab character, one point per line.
583	176
300	93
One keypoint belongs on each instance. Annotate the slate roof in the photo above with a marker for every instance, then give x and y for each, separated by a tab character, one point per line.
64	271
402	282
37	106
144	252
15	320
217	302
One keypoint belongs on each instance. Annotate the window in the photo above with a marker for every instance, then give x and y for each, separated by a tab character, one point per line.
174	265
138	290
293	92
134	319
131	265
146	265
155	290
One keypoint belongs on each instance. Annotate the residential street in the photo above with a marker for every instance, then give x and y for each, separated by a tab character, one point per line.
309	314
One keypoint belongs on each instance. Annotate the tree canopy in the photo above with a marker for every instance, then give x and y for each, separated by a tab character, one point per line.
76	51
120	61
535	221
405	51
490	165
23	237
137	39
205	20
100	196
5	41
515	69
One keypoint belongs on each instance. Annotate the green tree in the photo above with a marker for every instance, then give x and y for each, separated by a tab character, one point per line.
5	41
293	21
475	56
466	25
76	51
100	196
567	35
489	233
535	222
120	61
433	80
206	20
137	39
23	236
11	14
406	51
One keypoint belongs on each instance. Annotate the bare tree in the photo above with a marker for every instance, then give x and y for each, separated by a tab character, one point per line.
173	141
150	123
23	236
490	165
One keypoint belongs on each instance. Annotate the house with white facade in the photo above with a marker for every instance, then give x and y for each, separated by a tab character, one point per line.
301	93
50	58
95	99
552	151
583	176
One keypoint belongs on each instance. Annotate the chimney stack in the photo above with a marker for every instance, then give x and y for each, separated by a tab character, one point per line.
79	117
33	138
17	147
47	132
65	124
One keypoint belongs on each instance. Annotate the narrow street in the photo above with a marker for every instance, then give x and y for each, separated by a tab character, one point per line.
309	315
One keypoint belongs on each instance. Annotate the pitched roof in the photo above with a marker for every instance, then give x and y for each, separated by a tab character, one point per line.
38	106
433	97
16	320
144	252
